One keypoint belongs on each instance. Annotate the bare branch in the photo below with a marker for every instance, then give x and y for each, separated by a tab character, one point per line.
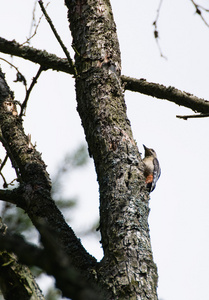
41	57
20	76
193	116
58	37
156	32
33	21
24	104
169	93
199	12
51	61
33	24
5	184
3	162
27	253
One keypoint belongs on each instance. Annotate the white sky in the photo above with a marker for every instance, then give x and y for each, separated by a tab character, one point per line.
179	224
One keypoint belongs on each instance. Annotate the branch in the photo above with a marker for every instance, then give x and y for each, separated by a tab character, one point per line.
16	281
58	37
36	185
13	196
156	32
27	253
33	24
20	76
193	116
199	12
169	93
24	104
41	57
5	185
142	86
54	262
3	163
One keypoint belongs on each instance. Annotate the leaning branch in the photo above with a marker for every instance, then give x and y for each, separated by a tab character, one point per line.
16	280
55	262
51	61
169	93
35	184
41	57
24	104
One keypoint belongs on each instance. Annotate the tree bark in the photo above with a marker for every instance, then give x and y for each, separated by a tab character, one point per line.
127	268
62	247
16	281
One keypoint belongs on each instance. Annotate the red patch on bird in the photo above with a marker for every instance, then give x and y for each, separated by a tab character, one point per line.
149	178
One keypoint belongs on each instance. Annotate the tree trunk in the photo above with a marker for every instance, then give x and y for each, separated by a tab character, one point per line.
127	268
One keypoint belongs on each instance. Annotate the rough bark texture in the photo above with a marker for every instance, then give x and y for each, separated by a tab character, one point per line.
16	281
127	268
33	195
42	57
169	93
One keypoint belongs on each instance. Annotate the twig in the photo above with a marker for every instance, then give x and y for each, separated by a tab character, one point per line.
157	16
58	37
33	24
193	116
156	32
198	11
5	185
33	21
24	104
4	162
20	76
203	8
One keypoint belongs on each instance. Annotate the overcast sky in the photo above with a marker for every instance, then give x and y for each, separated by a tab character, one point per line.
179	225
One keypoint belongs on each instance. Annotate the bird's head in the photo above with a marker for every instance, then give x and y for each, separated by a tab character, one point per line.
149	152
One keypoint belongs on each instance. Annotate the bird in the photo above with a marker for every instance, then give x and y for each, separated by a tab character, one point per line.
152	169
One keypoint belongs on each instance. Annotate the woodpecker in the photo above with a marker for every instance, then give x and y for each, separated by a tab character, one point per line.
152	169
